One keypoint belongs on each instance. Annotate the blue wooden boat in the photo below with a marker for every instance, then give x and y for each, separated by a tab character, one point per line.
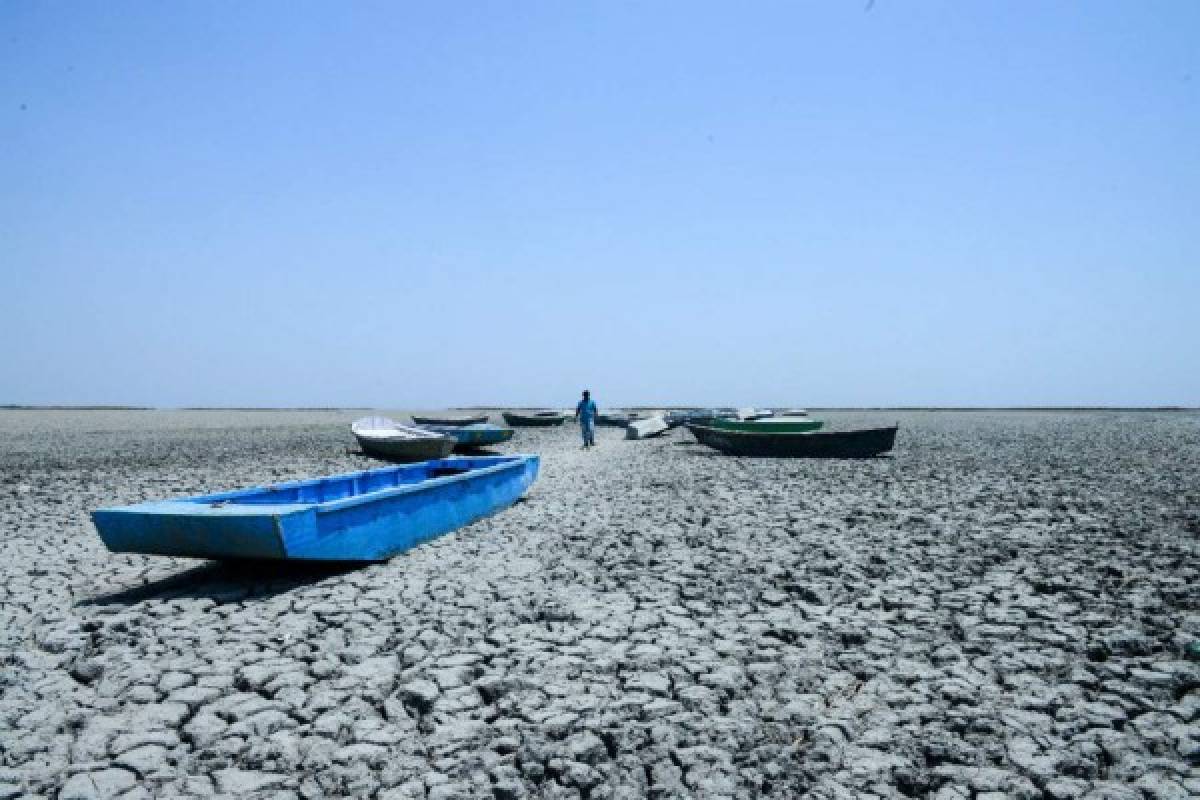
473	437
360	516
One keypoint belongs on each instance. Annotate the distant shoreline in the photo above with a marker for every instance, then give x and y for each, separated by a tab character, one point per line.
888	408
177	408
1148	409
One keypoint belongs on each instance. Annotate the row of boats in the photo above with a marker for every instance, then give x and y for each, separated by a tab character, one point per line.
436	437
378	513
425	439
789	433
745	432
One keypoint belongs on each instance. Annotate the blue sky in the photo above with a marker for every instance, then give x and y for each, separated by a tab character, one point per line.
440	204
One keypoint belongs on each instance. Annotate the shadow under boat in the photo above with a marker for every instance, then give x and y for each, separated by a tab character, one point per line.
228	581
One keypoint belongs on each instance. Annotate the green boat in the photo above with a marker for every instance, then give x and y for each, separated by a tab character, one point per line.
767	425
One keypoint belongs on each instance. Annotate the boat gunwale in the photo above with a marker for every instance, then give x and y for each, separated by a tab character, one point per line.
545	419
478	427
422	420
404	436
766	423
518	461
220	504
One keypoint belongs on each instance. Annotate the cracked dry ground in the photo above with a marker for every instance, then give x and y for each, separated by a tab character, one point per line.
1005	608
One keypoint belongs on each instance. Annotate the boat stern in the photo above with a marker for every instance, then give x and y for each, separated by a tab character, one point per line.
177	529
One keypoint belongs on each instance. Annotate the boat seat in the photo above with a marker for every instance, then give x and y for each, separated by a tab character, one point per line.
443	472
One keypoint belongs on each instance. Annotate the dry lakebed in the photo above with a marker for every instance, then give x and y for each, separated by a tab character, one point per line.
1007	606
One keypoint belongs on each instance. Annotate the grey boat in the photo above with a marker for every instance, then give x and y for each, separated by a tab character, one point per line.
386	438
534	419
479	419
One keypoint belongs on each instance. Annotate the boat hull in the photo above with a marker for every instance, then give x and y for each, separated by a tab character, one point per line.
446	422
473	437
362	516
767	425
646	428
615	420
407	449
533	420
837	444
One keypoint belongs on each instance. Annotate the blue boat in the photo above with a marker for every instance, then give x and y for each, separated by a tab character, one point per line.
473	437
360	516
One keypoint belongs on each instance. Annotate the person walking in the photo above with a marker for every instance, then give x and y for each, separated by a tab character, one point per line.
585	412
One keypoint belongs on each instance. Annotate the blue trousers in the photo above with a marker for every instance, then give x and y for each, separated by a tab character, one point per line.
587	426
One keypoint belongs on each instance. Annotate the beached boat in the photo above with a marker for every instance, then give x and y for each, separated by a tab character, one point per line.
478	419
473	437
534	419
386	438
615	419
646	428
834	444
767	424
698	416
361	516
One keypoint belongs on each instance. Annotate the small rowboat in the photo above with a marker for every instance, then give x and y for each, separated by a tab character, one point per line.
534	419
646	428
615	419
479	419
767	425
473	437
385	438
701	416
361	516
834	444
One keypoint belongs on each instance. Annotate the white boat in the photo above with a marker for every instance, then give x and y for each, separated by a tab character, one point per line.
793	412
646	428
386	438
753	413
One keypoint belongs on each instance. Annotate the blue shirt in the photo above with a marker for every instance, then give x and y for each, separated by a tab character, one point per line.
586	409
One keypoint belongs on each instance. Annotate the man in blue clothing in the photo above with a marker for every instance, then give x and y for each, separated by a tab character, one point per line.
585	412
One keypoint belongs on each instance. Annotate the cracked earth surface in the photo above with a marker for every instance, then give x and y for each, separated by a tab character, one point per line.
1006	607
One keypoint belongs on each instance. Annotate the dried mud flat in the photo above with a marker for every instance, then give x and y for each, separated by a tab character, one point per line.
1005	608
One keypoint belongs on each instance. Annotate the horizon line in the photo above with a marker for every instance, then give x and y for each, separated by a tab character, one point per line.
107	407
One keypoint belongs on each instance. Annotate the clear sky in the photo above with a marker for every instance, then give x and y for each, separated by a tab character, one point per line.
792	203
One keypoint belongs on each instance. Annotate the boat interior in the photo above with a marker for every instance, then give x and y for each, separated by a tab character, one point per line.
354	484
